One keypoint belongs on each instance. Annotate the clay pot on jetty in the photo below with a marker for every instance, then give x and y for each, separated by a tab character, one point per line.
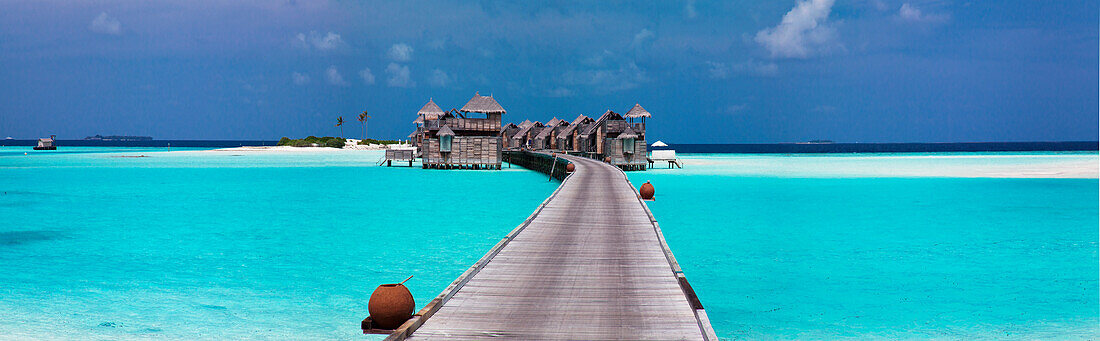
607	159
390	305
646	191
570	168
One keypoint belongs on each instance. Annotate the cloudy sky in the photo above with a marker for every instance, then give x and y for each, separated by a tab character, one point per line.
710	72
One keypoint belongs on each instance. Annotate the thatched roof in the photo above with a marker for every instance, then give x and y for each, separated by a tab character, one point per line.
577	122
413	134
524	129
609	115
444	131
510	126
430	110
525	123
637	111
628	134
545	132
483	104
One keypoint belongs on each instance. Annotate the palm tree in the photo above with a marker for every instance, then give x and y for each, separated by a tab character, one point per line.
363	118
340	123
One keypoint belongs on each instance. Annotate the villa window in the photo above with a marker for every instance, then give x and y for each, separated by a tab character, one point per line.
628	145
445	143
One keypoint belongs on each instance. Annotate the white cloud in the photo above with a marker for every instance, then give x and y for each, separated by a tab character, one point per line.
599	59
400	52
718	70
736	108
879	5
437	44
804	31
399	76
440	79
333	76
323	42
300	79
689	9
105	24
484	52
642	37
627	76
912	13
559	92
367	76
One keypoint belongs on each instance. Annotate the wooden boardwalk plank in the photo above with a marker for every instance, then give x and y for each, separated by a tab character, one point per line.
588	266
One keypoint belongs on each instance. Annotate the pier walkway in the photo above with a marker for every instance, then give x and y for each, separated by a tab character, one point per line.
589	264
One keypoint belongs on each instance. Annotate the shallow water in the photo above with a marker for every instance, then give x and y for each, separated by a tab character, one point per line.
821	250
228	245
289	245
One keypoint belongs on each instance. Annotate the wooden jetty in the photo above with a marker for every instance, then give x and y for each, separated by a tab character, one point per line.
589	264
399	155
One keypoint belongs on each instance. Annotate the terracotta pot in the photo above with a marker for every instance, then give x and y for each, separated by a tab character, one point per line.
607	159
570	168
391	305
646	191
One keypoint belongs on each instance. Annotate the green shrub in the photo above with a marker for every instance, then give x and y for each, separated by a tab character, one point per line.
327	141
373	141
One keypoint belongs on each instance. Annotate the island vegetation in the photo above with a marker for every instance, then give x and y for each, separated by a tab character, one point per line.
313	141
382	142
329	141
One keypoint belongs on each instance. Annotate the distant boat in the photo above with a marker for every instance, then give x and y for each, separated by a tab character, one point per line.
9	138
46	144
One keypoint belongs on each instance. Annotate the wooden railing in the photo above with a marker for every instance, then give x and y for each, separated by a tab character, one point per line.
475	124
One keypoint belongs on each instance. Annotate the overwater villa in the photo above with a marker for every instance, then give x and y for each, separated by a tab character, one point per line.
615	137
527	131
455	139
612	137
568	138
46	143
429	111
547	136
506	134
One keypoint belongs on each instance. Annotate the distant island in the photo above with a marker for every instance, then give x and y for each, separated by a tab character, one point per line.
118	138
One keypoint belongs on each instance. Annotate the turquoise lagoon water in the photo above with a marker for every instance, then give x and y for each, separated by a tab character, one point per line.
857	246
229	245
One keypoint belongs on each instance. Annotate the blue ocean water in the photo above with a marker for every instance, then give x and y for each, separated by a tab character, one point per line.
813	253
289	245
230	245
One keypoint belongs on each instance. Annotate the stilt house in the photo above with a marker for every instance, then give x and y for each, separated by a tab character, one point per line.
429	111
612	136
458	139
569	136
547	136
506	133
527	132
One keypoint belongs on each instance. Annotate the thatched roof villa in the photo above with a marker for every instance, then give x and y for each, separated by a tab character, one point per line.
458	139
